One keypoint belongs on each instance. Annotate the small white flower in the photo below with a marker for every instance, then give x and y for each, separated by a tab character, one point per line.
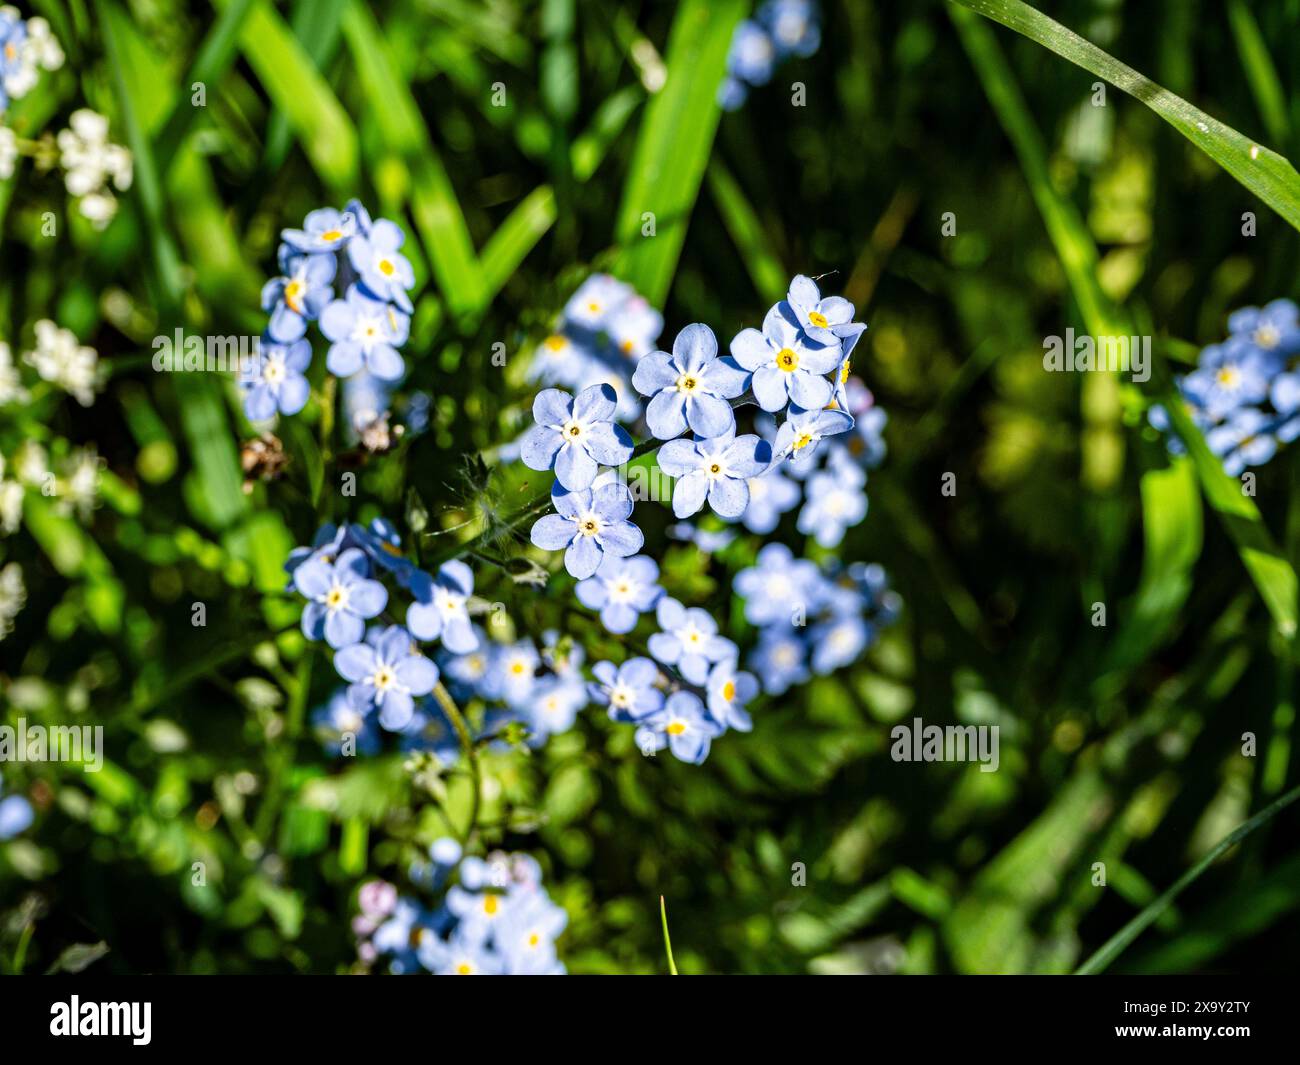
42	45
11	507
80	489
90	161
61	359
13	596
31	465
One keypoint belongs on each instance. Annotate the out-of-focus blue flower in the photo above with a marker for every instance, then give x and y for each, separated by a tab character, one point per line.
467	672
299	295
1274	329
835	502
554	706
513	676
1244	439
866	440
771	494
717	469
819	318
460	955
479	912
440	611
342	596
752	54
729	690
787	364
779	659
273	381
622	589
527	933
1229	376
710	541
803	430
629	690
595	300
732	94
633	327
690	387
689	640
344	728
323	230
388	674
837	642
793	25
682	726
365	332
16	815
575	436
588	525
383	269
1284	393
779	587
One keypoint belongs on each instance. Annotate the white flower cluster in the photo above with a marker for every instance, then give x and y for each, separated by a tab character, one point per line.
61	359
91	161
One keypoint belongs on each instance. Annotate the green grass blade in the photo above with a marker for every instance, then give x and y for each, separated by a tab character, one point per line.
1116	945
742	222
673	145
317	24
437	212
668	943
300	90
1261	74
1268	175
517	236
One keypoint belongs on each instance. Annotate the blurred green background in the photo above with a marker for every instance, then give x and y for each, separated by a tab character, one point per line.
1119	744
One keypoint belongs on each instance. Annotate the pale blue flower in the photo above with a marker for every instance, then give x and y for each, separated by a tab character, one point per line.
835	502
689	640
365	332
729	690
274	382
779	659
324	230
690	387
298	296
440	609
575	436
779	587
388	674
383	269
680	725
629	691
771	494
803	430
588	525
787	365
819	318
717	469
622	589
342	596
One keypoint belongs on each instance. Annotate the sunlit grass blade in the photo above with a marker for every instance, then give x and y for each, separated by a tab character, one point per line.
668	943
673	146
746	230
437	211
1261	74
516	237
299	90
1271	177
1119	942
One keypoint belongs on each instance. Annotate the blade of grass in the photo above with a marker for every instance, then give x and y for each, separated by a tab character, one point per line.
302	93
317	24
746	230
1119	942
1261	74
668	943
1268	175
516	237
673	146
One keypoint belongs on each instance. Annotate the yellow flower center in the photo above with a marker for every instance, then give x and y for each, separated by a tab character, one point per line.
1227	377
386	267
1267	337
490	905
803	441
293	295
590	527
729	690
464	969
336	597
534	939
844	371
818	319
787	360
556	343
385	678
331	234
676	728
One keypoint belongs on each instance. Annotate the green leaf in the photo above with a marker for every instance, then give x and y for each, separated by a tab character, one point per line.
517	236
1268	175
742	222
673	146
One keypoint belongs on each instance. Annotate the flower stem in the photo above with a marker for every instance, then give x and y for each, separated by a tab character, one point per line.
457	719
668	943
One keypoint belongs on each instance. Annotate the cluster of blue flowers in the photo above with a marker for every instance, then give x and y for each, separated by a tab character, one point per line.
811	619
604	330
780	30
334	252
495	919
1244	394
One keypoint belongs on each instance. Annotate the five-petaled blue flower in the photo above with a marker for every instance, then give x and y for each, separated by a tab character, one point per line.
718	469
779	587
771	494
440	608
680	725
689	640
299	295
383	269
587	526
630	690
787	364
622	590
387	673
728	691
323	230
803	430
365	332
690	387
342	596
576	436
273	381
1273	329
816	316
835	502
779	659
